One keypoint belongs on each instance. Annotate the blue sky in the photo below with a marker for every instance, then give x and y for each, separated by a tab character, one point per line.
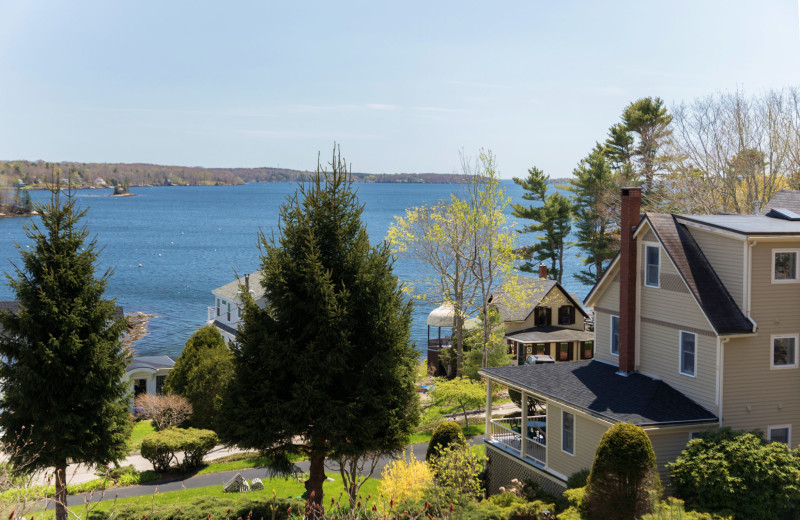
402	86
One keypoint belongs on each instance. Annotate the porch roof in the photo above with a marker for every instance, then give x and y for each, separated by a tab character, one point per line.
598	389
549	335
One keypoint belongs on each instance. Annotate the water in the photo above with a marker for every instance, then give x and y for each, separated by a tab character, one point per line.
191	240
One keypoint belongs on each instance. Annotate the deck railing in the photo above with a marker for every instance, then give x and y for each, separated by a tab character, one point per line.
508	432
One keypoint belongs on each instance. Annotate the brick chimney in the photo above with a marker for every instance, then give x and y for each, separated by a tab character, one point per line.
542	271
631	205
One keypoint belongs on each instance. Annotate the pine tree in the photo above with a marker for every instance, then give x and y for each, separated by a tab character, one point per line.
62	357
551	223
326	369
201	374
591	186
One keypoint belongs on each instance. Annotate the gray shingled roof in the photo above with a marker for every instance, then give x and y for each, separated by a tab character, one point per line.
550	334
597	388
789	199
230	290
718	305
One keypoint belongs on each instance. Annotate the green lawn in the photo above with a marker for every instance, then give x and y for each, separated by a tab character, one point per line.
470	431
199	502
141	429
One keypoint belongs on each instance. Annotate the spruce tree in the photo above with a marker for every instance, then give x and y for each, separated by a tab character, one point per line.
62	356
326	368
201	374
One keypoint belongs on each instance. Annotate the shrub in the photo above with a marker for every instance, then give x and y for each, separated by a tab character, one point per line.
160	448
405	480
456	471
623	478
578	479
740	472
445	435
673	509
166	411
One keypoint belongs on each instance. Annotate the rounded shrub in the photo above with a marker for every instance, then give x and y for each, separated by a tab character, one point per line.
162	447
445	435
623	477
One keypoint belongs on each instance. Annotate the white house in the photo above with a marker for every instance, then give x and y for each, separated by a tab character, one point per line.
226	313
148	373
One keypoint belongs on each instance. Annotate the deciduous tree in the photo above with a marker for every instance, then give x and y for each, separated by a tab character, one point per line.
62	357
326	368
460	391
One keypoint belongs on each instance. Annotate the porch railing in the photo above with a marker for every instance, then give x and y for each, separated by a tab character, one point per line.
508	432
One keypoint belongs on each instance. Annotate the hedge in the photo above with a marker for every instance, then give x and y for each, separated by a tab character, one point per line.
160	448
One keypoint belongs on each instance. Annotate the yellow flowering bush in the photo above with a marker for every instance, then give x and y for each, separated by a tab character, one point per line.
405	480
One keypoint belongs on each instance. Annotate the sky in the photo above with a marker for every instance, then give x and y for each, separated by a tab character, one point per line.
399	86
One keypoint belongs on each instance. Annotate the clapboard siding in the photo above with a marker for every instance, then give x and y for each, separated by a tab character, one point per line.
587	435
553	299
726	256
668	445
659	357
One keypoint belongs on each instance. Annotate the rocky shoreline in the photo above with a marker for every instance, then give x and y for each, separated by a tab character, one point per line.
137	327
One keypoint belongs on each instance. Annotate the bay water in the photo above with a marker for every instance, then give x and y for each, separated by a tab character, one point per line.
170	247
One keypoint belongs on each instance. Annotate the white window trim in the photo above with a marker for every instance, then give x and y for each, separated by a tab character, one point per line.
780	427
611	335
574	432
772	350
796	279
658	278
680	354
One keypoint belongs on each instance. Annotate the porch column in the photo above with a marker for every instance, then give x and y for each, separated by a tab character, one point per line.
524	426
487	434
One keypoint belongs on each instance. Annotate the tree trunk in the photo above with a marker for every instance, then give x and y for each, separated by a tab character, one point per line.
316	476
61	491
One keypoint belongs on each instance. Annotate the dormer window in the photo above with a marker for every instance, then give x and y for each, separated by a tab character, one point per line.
784	265
566	315
542	316
652	261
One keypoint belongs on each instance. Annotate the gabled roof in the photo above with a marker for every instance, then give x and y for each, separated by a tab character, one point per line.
230	290
531	291
598	389
789	199
708	290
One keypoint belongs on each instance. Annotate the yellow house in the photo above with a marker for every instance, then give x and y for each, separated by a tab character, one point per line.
696	326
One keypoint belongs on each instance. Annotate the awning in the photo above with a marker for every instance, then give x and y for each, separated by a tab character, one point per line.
442	316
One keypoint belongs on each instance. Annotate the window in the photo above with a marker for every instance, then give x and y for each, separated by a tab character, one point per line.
588	349
694	435
229	311
651	266
784	265
615	335
139	386
563	351
568	432
688	353
784	351
541	316
541	348
566	315
160	383
780	434
217	306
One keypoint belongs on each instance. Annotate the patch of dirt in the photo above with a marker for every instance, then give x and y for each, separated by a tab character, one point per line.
137	327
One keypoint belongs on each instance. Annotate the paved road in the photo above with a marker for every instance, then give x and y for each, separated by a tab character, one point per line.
220	478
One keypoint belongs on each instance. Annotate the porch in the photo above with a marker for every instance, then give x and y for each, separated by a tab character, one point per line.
528	442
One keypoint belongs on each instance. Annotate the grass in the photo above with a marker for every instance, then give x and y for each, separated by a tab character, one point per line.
469	431
211	496
141	429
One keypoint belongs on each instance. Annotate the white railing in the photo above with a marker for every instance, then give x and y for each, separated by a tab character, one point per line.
508	432
212	313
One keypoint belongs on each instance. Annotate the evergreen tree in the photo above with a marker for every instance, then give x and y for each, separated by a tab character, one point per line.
201	374
327	368
591	185
62	357
552	223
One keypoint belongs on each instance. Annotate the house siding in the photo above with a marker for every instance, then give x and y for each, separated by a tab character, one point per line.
553	299
668	445
663	313
587	435
726	256
754	394
606	305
